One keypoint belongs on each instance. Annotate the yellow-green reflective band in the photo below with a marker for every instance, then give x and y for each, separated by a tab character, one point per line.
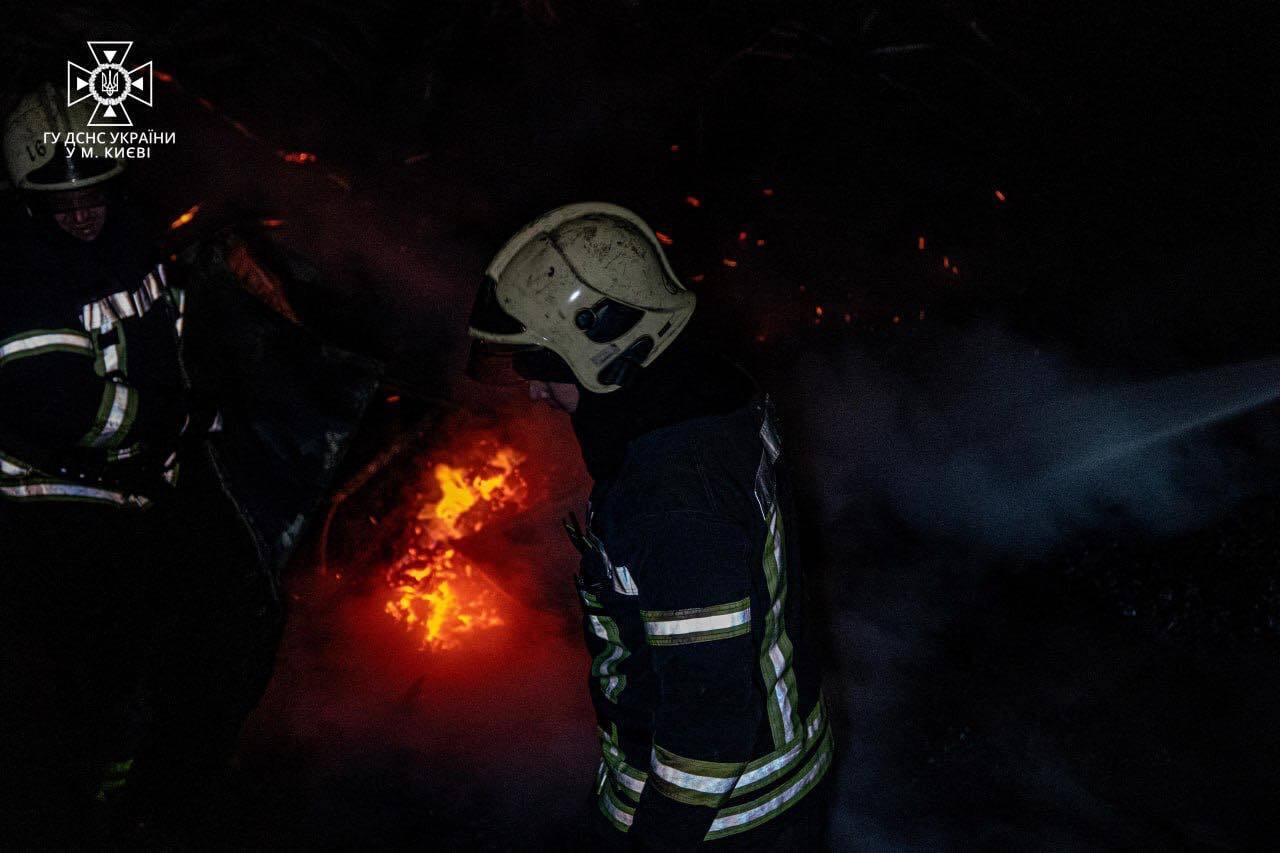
115	416
697	625
110	361
39	342
590	600
775	654
769	436
619	814
627	777
769	768
58	491
749	815
605	665
690	780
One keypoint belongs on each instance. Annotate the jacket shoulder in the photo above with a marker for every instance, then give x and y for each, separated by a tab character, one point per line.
698	467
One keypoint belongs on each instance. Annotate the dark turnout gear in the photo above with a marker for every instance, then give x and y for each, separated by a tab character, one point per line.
89	374
163	443
704	680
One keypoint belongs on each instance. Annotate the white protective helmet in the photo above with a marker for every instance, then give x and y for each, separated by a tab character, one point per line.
583	292
43	166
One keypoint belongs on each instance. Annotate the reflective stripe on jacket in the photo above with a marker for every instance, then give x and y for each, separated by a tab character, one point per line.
704	682
82	377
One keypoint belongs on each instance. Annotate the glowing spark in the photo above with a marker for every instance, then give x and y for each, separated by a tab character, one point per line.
1000	196
163	76
186	217
297	157
664	239
767	192
693	201
920	243
729	262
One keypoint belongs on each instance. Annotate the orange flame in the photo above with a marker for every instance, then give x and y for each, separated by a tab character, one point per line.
439	595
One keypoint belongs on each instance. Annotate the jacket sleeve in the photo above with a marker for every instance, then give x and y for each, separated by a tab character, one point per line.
695	599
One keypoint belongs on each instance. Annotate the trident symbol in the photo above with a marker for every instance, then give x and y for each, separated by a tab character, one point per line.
109	83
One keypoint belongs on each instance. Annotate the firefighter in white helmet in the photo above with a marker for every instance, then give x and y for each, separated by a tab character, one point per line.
712	727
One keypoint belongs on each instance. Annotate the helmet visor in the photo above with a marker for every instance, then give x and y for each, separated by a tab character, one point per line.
515	364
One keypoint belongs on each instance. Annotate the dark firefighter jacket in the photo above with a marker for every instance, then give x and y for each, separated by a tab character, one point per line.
705	684
114	368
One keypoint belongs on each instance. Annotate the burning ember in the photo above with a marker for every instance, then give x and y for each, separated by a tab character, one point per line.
437	593
185	218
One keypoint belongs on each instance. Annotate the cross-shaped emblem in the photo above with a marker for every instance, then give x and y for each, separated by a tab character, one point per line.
109	83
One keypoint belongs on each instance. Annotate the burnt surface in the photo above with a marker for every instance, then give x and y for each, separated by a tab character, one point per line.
1099	183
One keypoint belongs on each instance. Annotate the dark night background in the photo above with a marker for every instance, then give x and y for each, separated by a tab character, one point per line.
1045	629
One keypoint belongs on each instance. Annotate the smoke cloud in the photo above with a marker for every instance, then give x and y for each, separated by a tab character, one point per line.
998	444
978	454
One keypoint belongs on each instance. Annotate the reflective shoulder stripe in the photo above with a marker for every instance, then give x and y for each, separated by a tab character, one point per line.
698	624
115	417
104	313
749	815
688	780
56	491
39	342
